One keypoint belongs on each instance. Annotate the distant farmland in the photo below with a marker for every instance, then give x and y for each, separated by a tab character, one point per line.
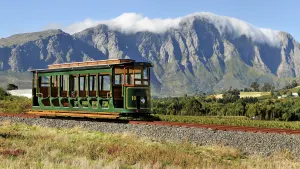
247	94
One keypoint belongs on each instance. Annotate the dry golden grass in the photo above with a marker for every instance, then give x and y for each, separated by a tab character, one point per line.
247	94
24	146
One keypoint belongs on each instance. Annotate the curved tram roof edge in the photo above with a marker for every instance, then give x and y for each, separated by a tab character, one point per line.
147	64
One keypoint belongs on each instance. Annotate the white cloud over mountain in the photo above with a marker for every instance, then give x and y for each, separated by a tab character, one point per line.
132	23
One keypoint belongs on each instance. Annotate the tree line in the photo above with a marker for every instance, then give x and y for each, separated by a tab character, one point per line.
231	104
267	87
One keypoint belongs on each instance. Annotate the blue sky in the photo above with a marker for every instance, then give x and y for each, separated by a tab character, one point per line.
35	15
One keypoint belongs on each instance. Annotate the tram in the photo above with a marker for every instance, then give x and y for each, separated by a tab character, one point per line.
97	89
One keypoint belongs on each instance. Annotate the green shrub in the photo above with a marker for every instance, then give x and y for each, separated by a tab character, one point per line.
11	87
192	107
3	94
15	104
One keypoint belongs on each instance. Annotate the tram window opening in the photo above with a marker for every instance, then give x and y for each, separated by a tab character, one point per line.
54	87
137	75
45	81
141	76
99	82
129	76
45	88
129	79
138	82
119	79
93	83
54	81
82	83
145	73
106	83
65	82
75	83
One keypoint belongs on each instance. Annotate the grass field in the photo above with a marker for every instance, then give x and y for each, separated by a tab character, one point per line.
231	120
248	94
24	146
13	104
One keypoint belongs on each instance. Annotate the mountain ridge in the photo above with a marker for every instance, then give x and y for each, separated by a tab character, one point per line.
195	56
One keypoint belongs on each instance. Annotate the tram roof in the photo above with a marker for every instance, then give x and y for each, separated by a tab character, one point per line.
88	65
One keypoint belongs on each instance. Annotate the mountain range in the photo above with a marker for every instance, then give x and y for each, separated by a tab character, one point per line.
199	52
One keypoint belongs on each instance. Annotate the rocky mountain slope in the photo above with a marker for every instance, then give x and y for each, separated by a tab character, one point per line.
201	53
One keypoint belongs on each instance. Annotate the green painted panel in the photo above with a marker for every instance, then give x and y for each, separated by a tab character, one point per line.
134	95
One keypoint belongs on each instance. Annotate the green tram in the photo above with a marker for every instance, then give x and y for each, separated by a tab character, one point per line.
103	88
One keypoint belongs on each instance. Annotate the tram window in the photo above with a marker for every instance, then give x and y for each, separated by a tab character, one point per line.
75	83
93	83
54	82
106	83
99	82
65	82
137	75
138	82
82	83
72	83
129	76
45	81
145	73
119	79
141	76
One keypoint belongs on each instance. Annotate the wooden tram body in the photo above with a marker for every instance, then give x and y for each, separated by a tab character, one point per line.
104	88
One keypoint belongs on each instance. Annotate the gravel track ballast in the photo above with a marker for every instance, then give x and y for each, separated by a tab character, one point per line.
249	143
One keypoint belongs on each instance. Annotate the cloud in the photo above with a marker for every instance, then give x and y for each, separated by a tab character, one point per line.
128	23
132	23
79	26
237	28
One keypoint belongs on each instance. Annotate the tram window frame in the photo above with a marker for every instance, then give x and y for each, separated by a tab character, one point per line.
45	81
82	83
91	79
75	83
139	78
102	83
55	81
64	82
129	75
119	79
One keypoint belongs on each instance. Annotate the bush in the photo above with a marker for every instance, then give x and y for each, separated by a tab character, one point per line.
231	96
287	109
3	94
192	107
15	104
11	87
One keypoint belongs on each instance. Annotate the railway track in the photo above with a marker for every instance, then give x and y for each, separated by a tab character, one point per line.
220	127
179	124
